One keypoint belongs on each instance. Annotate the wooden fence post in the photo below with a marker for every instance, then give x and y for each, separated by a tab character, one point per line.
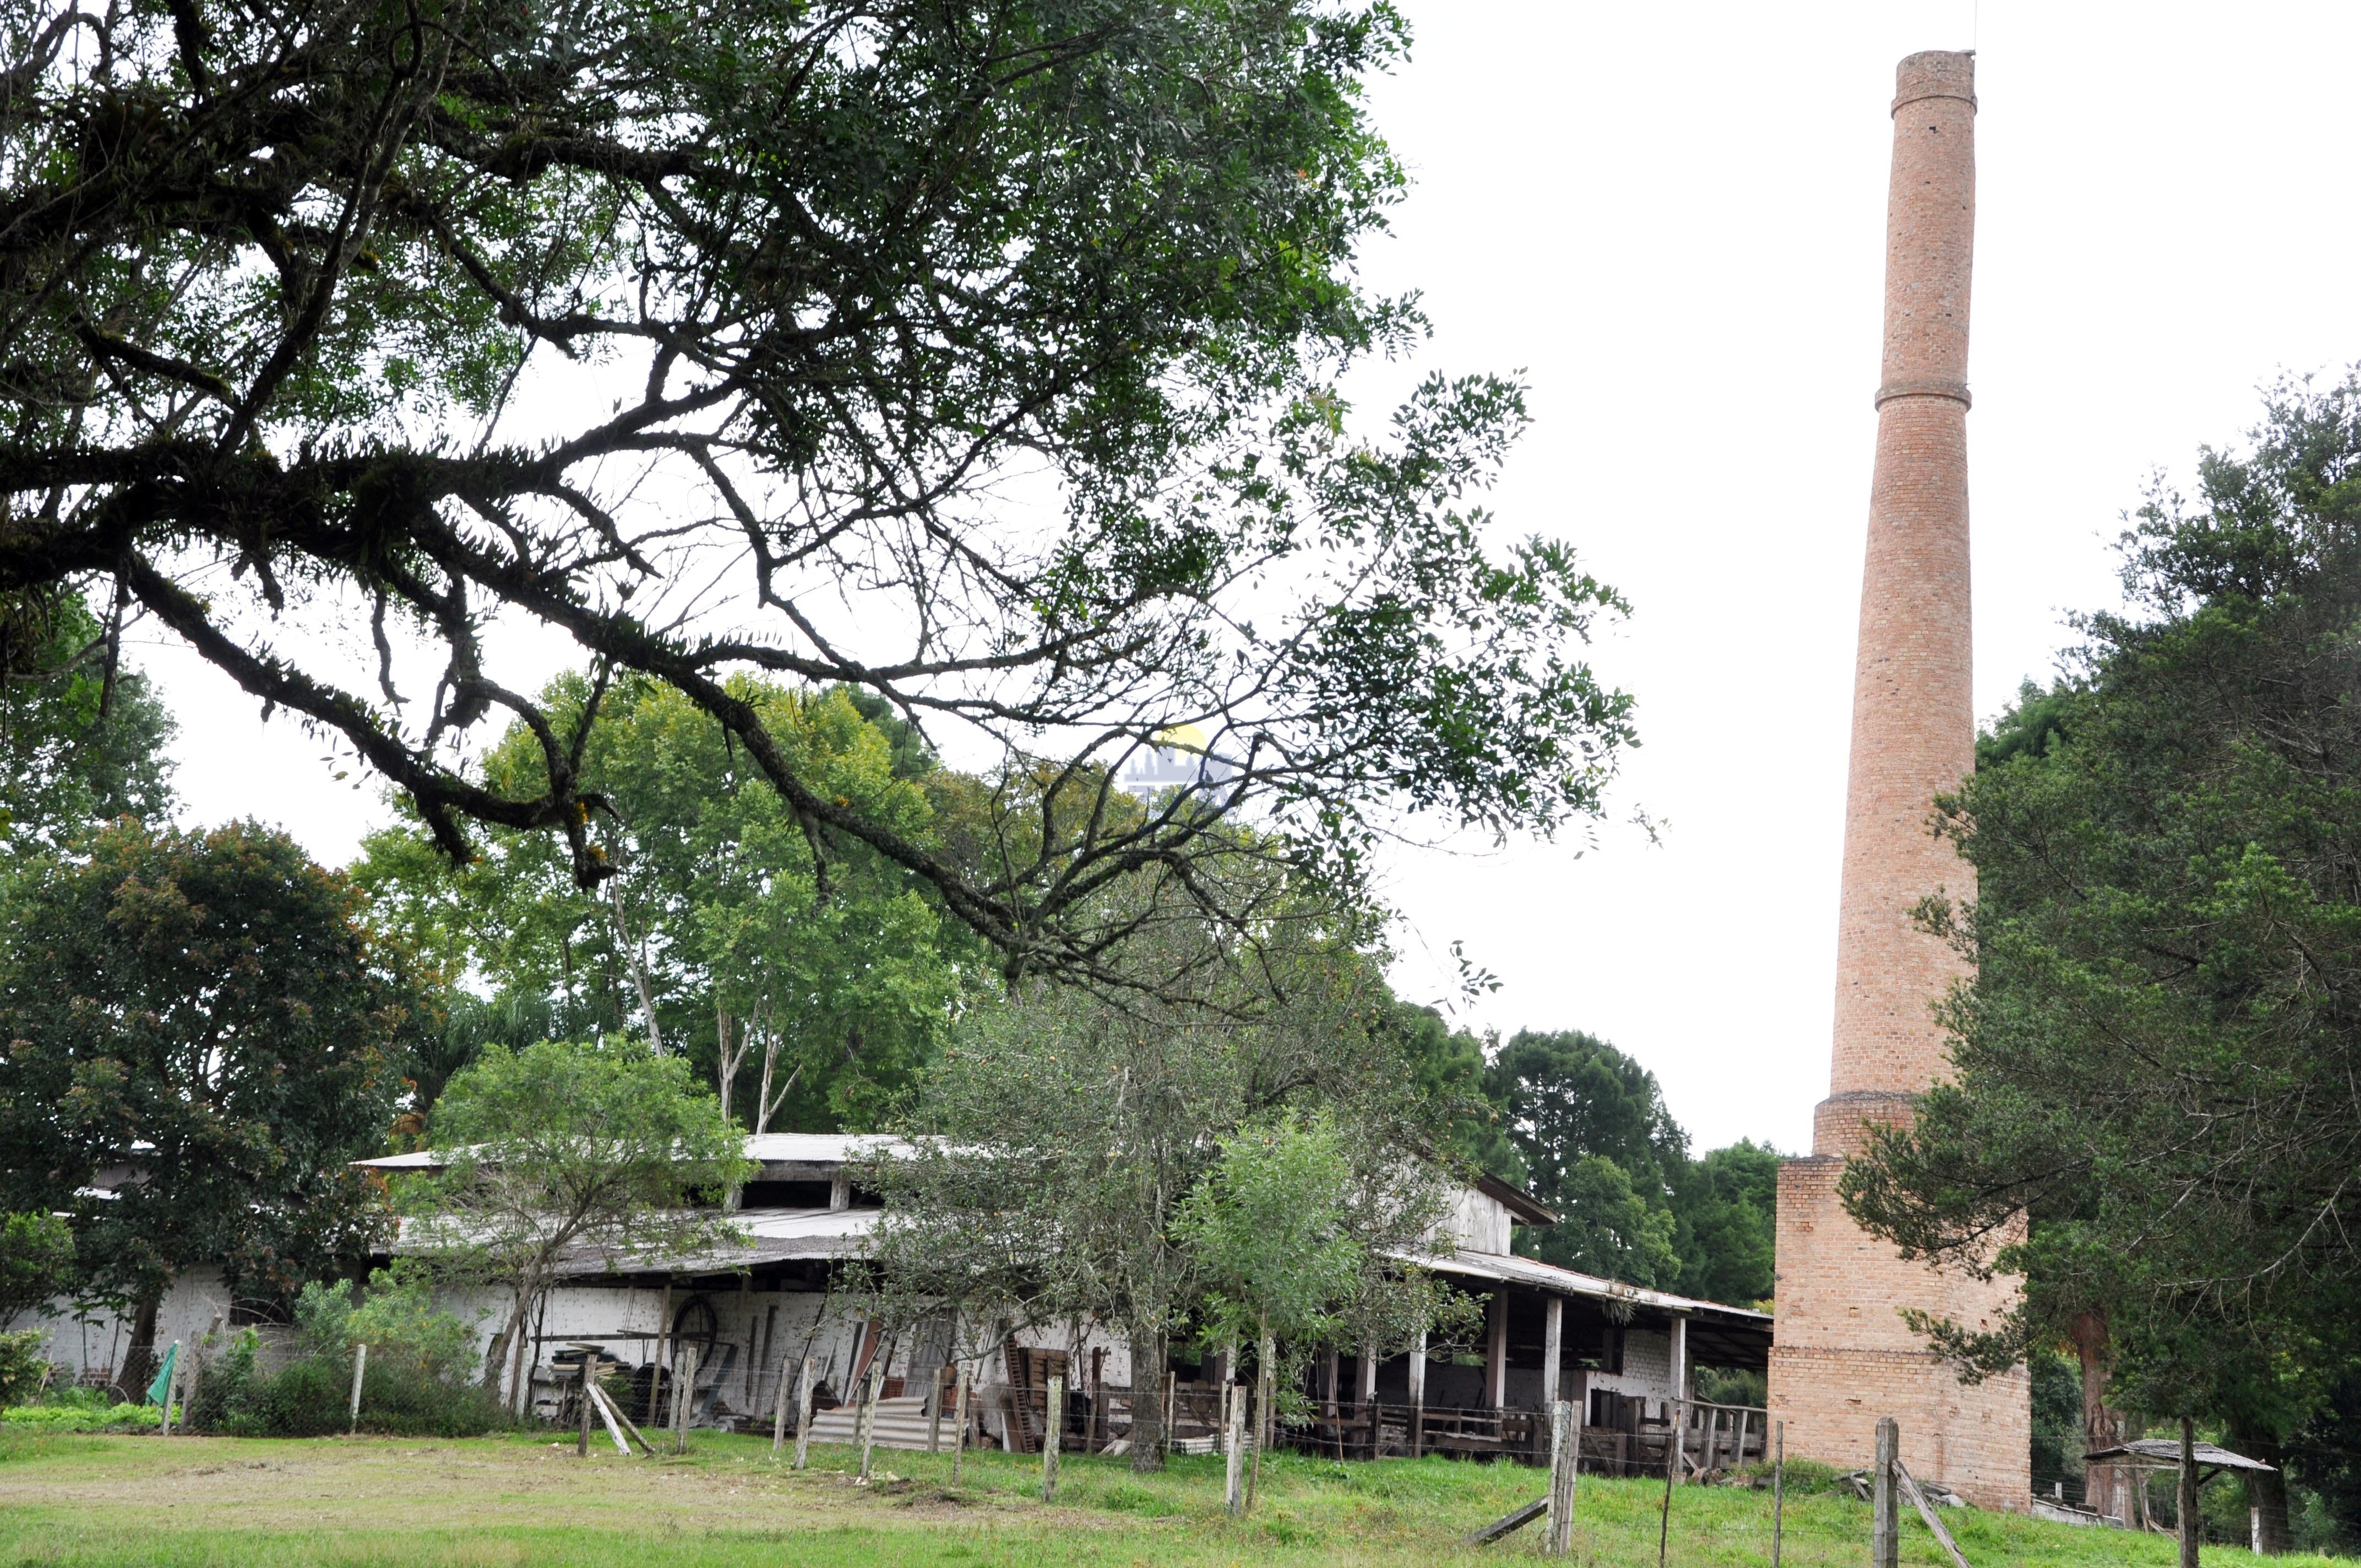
1672	1468
582	1397
684	1395
959	1426
1565	1450
935	1413
1886	1519
1234	1440
1778	1491
803	1414
1053	1428
779	1411
360	1362
2192	1523
876	1386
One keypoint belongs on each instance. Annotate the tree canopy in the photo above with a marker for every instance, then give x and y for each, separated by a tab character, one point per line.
563	1152
209	1010
81	737
983	358
806	973
2156	1060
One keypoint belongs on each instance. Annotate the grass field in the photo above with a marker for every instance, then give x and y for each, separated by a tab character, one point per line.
101	1501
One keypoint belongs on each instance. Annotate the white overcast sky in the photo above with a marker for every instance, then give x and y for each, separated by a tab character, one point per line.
1670	218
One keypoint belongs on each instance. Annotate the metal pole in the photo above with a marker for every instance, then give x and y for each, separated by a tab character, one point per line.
1778	1490
361	1361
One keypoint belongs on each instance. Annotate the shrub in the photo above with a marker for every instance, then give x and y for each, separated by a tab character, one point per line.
310	1397
21	1365
79	1410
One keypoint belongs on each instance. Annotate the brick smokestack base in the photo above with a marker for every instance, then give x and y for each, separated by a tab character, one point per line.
1842	1356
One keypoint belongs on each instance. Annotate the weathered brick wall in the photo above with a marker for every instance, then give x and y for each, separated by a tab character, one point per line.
1843	1356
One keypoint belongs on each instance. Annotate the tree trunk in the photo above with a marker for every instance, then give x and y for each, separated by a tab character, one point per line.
138	1367
2102	1427
2266	1491
1148	1357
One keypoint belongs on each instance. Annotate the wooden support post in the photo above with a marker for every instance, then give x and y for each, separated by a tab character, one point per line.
1886	1521
869	1392
1552	1348
582	1398
1172	1396
803	1414
360	1365
1234	1435
1565	1450
664	1356
1680	1358
1367	1401
1496	1351
684	1387
1418	1398
958	1430
1778	1490
1053	1429
935	1411
2191	1525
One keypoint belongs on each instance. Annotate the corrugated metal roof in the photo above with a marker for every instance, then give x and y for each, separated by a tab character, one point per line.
1560	1281
2168	1450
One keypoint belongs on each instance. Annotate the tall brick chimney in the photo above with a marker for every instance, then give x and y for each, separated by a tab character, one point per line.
1842	1356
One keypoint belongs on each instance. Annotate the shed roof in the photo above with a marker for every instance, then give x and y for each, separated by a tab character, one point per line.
2167	1450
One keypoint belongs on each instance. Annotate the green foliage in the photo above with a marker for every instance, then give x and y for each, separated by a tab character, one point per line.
1726	1204
209	1010
312	1397
81	739
1269	1227
1601	1149
79	1410
2167	939
22	1364
1606	1227
37	1263
772	951
560	1146
720	337
1117	1113
396	1317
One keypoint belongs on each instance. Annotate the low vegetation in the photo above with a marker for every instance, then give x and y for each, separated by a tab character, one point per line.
98	1501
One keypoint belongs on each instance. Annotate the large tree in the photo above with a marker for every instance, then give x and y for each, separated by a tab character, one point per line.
206	1019
1115	1111
806	973
561	1155
981	356
2157	1061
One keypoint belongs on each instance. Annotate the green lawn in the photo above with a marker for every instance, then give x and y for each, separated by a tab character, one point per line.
100	1500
